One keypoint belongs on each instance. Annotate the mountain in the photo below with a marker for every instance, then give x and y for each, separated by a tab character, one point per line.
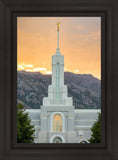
83	88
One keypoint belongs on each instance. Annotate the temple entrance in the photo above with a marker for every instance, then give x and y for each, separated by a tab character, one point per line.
57	140
83	142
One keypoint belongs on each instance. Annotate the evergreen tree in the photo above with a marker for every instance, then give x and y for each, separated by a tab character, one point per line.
96	131
25	131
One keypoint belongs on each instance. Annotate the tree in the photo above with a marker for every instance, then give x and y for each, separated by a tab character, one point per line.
25	131
96	131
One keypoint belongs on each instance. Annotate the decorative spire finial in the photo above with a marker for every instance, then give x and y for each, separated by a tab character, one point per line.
58	26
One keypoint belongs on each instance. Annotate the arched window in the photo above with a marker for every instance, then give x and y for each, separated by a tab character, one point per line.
57	123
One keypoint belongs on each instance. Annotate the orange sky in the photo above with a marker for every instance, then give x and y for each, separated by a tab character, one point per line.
80	43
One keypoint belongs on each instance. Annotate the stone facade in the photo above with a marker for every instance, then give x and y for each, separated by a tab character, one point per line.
83	121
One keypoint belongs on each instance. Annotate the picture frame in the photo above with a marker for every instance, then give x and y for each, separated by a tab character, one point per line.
10	9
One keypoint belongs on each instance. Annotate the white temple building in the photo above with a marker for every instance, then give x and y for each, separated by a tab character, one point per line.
58	121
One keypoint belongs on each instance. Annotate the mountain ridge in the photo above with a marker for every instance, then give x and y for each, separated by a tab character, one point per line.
83	88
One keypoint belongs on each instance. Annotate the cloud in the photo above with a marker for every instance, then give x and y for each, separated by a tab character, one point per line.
48	72
20	67
76	71
24	66
39	69
29	65
28	70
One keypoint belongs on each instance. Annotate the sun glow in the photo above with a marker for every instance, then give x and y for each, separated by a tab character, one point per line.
80	43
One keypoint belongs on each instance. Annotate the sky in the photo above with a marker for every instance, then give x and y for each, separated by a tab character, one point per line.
79	42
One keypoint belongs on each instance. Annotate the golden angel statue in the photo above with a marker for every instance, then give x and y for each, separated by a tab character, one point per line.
58	26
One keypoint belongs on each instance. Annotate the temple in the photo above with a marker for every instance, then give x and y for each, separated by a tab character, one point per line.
57	120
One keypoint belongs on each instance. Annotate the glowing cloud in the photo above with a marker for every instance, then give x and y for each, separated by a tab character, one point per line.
39	69
29	65
76	71
42	69
20	67
48	72
28	70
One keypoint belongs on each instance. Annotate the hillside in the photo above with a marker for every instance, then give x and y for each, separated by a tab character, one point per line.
33	86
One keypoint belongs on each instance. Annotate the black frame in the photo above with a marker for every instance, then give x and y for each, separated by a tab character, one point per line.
9	10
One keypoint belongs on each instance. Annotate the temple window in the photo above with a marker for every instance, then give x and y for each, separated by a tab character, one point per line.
57	123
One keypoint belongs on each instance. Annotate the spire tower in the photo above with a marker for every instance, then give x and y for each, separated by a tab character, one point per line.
57	91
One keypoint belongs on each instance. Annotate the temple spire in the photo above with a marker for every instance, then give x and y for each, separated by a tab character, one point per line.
57	34
58	52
